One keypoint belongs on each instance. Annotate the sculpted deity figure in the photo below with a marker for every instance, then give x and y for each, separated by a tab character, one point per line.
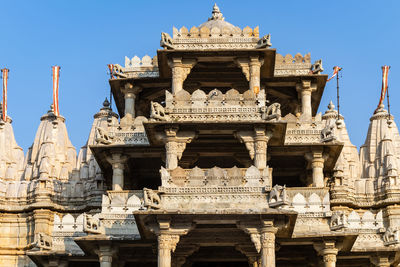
391	236
103	136
327	134
278	193
271	112
91	224
265	41
151	199
158	112
43	241
338	220
317	68
166	41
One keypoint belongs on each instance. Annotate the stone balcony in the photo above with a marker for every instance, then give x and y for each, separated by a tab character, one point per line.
215	106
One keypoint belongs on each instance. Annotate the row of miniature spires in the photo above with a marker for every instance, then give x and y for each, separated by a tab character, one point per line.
205	32
148	62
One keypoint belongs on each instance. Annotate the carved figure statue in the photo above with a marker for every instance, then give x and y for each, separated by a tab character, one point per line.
91	224
103	136
272	111
391	236
151	199
43	241
119	71
327	134
166	41
338	220
317	68
265	41
278	194
158	112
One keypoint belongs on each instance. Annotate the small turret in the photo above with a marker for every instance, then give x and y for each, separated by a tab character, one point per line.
52	155
346	169
381	129
89	169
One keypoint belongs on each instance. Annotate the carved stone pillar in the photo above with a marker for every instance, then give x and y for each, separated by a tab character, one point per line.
256	143
255	66
305	88
168	237
268	232
180	70
175	145
328	250
166	244
130	92
317	159
381	260
260	146
105	254
117	161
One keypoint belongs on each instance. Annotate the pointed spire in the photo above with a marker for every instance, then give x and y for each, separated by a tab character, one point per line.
11	155
52	155
87	165
381	130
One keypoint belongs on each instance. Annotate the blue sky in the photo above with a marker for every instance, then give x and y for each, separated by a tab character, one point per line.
83	36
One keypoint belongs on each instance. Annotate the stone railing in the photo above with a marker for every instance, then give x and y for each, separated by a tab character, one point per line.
215	106
215	32
137	68
214	38
117	212
297	65
216	177
316	132
121	134
308	200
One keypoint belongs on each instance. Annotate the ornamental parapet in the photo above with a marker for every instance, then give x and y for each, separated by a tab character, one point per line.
215	38
296	66
316	131
216	177
136	68
19	195
123	134
215	106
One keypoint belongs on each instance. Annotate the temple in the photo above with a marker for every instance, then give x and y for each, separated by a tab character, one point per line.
217	158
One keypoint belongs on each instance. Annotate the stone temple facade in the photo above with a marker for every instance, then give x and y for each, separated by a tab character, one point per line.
219	159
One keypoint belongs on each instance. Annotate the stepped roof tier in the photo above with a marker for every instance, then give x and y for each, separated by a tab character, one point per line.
216	158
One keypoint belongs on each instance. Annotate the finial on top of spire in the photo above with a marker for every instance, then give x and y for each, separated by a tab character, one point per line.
331	106
106	104
216	13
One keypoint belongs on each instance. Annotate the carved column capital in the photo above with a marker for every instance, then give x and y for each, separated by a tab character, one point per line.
117	160
306	87
328	249
106	254
168	241
180	70
131	90
175	143
382	259
256	143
